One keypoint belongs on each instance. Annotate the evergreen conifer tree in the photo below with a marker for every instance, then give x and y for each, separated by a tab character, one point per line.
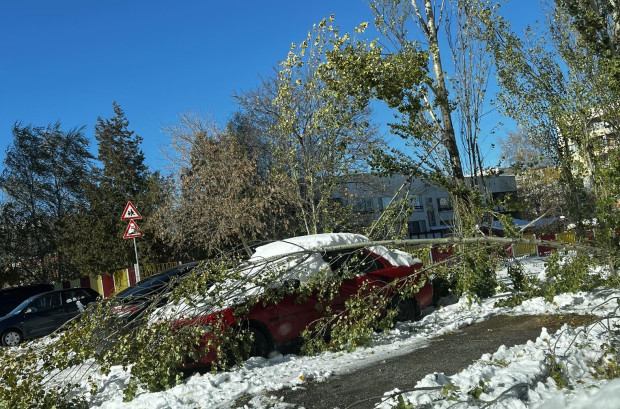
95	238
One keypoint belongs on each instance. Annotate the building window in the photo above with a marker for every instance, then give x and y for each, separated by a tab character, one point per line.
417	202
416	227
600	126
363	206
444	204
384	202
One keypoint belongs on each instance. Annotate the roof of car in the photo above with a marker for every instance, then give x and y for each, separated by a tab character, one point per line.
303	243
161	277
11	290
61	290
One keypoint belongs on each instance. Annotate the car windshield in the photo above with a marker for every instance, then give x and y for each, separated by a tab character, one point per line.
155	284
22	305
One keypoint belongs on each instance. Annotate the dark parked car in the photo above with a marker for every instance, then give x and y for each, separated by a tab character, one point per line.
42	314
12	297
132	301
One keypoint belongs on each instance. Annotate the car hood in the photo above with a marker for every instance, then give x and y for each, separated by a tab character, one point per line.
9	320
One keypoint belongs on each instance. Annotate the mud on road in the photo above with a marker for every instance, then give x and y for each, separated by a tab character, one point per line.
449	354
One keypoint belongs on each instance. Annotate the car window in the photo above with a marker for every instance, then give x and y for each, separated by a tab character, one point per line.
45	302
20	307
352	262
157	283
76	299
11	298
75	295
146	287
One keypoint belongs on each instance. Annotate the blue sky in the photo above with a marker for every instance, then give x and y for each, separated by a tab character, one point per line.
68	60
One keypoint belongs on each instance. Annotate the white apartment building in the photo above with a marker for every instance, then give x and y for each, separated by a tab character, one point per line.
432	215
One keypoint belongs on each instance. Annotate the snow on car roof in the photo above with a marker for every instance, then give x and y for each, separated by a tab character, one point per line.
303	266
293	264
303	243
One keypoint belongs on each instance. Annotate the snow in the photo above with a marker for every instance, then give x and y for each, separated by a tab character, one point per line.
503	372
304	243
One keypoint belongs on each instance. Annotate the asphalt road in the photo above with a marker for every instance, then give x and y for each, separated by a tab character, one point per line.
447	354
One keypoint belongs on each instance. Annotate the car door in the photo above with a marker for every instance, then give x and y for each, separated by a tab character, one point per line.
75	300
44	315
289	315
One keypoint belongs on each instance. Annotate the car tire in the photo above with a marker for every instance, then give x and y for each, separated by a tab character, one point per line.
417	312
11	337
407	309
262	344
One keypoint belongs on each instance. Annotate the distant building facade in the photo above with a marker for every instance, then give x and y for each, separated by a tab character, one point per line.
432	215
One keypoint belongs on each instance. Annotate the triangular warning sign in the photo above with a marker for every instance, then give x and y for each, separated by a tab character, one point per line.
130	213
132	231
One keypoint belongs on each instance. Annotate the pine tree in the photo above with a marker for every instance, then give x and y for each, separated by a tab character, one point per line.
95	237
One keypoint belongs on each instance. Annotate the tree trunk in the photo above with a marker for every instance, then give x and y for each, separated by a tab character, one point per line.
441	97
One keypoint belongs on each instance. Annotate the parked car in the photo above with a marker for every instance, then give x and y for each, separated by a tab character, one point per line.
42	314
297	261
12	297
133	300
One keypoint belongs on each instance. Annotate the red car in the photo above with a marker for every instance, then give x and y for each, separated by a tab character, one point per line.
297	261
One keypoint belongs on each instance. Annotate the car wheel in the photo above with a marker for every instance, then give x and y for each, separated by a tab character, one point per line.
11	338
407	309
417	312
261	343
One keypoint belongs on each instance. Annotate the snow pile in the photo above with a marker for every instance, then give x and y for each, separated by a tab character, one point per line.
394	256
520	376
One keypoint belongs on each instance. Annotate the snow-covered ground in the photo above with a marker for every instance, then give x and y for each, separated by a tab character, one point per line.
512	377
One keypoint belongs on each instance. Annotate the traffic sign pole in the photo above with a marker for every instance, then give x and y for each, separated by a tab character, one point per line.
135	247
131	213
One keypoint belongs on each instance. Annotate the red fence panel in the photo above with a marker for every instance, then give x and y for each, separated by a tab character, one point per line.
85	282
131	272
107	282
441	253
543	250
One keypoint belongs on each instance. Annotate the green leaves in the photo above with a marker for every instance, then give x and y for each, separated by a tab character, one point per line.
558	82
321	133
